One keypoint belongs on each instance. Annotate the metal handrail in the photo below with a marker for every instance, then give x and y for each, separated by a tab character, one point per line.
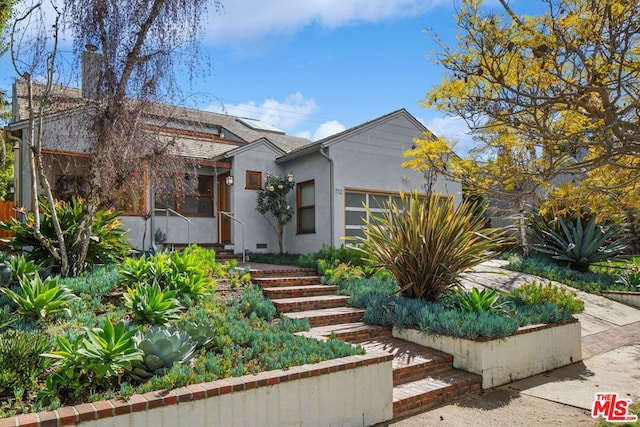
230	216
169	210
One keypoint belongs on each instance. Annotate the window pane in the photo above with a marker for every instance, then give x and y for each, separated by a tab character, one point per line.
354	218
378	201
306	220
253	180
354	200
205	184
307	194
354	232
197	206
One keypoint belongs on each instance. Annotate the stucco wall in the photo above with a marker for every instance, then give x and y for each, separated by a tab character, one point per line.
372	161
313	167
243	201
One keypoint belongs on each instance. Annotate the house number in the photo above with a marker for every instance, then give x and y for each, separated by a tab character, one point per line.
338	190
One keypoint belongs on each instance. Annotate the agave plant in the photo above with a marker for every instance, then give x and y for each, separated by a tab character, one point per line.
41	298
630	276
427	245
580	245
161	347
475	301
102	353
152	305
201	333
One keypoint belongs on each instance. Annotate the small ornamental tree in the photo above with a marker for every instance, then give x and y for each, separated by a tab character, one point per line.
273	205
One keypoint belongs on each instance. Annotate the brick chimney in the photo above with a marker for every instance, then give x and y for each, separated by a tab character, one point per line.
91	73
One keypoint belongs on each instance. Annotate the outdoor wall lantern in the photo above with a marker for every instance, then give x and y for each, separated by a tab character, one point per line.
228	180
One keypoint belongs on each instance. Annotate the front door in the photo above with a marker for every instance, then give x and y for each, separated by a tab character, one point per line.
224	204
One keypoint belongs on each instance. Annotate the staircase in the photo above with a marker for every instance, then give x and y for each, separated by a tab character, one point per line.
423	378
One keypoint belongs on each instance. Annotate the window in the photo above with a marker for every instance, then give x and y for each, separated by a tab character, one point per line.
192	196
356	214
306	207
253	180
198	195
69	173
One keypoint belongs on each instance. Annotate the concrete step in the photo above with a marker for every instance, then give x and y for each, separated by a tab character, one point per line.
288	305
284	292
356	332
411	362
284	271
328	316
277	282
421	395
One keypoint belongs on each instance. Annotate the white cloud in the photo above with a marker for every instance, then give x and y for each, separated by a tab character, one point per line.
451	128
327	129
243	20
294	115
286	115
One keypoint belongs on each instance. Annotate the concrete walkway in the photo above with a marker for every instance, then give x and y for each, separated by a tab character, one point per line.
564	396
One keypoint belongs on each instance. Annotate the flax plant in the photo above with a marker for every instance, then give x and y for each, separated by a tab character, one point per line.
428	244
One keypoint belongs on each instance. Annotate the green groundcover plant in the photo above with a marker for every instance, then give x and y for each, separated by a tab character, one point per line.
592	281
100	349
466	314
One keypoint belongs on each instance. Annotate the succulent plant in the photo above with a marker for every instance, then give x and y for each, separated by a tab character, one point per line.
162	347
201	333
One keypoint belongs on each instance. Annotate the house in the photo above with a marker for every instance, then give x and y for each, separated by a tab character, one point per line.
335	177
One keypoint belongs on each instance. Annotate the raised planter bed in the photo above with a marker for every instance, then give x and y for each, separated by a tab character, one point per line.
532	350
628	298
350	391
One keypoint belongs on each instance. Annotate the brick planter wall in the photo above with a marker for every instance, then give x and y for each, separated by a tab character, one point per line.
532	350
350	391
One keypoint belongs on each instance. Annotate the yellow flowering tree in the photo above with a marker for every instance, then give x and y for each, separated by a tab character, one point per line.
552	99
273	205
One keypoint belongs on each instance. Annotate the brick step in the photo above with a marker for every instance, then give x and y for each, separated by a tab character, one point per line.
285	271
328	316
411	362
287	305
421	395
276	282
356	332
299	291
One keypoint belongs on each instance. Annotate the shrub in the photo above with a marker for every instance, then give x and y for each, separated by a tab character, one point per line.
474	301
366	289
20	362
342	272
152	305
253	301
40	298
179	271
427	245
630	276
543	267
108	242
539	293
94	359
580	244
21	268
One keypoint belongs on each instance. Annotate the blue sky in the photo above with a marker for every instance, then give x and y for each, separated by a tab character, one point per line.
316	67
328	65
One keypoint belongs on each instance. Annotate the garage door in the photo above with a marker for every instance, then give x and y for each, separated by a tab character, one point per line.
355	213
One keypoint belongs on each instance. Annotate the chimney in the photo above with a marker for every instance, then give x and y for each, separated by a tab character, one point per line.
91	73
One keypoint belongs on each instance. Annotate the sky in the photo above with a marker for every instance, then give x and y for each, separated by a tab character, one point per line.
316	67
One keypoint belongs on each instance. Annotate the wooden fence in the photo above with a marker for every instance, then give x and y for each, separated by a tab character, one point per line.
7	211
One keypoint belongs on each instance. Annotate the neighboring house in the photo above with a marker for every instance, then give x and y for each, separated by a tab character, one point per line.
334	176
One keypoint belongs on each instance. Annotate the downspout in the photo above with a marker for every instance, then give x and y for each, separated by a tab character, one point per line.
331	191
